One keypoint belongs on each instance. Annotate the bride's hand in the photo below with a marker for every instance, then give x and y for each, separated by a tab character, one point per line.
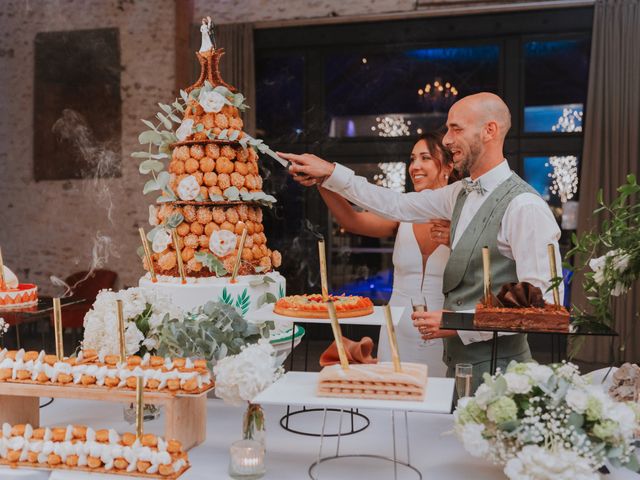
308	169
428	324
441	232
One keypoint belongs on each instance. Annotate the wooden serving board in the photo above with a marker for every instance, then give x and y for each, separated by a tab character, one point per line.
113	471
185	415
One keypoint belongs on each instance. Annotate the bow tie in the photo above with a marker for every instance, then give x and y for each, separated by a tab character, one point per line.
470	186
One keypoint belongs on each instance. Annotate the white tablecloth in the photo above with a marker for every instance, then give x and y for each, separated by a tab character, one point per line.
289	455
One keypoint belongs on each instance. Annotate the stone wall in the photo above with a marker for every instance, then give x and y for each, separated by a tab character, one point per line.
50	227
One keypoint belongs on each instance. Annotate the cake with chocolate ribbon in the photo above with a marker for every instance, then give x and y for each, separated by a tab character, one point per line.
521	306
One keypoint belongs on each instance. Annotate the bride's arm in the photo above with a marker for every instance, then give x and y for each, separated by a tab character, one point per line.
360	223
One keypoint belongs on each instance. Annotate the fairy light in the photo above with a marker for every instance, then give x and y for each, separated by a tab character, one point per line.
441	95
564	177
392	126
570	121
393	176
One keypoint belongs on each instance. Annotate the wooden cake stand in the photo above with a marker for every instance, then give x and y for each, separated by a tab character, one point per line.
185	414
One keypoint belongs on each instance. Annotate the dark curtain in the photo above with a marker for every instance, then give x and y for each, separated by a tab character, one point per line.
611	151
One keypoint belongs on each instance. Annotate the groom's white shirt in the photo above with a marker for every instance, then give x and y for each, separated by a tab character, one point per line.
527	227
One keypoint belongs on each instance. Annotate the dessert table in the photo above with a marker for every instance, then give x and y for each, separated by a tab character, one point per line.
438	456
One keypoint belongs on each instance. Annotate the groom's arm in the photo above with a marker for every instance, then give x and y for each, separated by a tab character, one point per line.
415	207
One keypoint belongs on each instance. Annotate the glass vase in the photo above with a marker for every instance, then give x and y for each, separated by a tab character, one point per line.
149	412
253	427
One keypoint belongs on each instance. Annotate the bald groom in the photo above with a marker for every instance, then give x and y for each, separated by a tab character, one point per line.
492	207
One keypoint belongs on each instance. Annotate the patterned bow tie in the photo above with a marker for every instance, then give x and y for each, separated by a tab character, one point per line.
470	186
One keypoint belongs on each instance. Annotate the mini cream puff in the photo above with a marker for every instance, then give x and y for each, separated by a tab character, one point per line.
32	457
156	361
112	360
134	361
102	436
111	381
94	462
120	463
58	434
166	470
149	440
87	380
38	434
42	377
142	466
173	384
54	459
79	432
18	430
50	359
132	382
174	446
190	385
153	384
89	356
31	355
72	460
13	455
200	365
65	378
23	374
12	354
179	362
5	373
128	439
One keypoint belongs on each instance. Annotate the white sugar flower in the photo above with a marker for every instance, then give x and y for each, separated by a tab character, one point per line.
4	326
621	261
536	463
473	440
517	383
211	101
239	378
188	188
184	130
619	289
133	338
161	240
222	242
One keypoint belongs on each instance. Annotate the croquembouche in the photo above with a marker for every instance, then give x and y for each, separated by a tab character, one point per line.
205	167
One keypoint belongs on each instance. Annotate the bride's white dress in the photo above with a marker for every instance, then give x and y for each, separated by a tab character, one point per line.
407	284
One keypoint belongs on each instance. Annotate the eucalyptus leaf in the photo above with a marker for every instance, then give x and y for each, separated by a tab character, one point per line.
216	198
150	136
150	186
149	124
174	220
165	121
184	96
210	261
165	107
177	106
163	179
234	135
231	193
174	118
223	134
265	298
151	165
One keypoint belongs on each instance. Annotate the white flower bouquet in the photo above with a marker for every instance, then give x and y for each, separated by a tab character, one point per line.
546	422
143	310
4	327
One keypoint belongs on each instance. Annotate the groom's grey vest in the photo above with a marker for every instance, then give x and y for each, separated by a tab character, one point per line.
463	278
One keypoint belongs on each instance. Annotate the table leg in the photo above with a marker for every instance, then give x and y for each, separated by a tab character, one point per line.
393	437
406	430
339	434
293	343
186	420
324	421
494	353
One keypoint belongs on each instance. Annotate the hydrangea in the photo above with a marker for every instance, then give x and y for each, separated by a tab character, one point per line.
239	378
605	429
469	411
577	399
143	311
484	394
473	439
537	463
517	383
502	410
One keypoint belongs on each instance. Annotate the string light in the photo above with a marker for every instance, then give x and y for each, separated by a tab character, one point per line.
392	126
564	178
393	176
440	95
570	121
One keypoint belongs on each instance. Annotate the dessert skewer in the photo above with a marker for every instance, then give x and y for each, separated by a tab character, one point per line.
486	266
554	273
147	254
236	266
337	334
323	269
57	328
3	282
393	339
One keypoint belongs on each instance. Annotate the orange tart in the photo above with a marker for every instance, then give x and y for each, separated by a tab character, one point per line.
312	306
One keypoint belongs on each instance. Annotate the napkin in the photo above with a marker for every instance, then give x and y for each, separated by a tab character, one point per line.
357	352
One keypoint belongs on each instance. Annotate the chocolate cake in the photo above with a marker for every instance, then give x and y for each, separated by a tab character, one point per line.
521	306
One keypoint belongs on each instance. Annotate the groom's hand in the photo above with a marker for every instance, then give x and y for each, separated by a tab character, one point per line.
428	324
308	169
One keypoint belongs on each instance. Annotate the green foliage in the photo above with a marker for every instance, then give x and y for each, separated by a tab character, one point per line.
610	258
225	297
243	302
210	261
211	331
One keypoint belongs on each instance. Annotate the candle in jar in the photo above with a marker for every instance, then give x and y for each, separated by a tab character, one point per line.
247	459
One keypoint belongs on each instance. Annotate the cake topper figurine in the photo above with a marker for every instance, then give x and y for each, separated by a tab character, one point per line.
206	29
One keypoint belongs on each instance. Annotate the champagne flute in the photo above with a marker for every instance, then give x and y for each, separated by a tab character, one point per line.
420	305
464	376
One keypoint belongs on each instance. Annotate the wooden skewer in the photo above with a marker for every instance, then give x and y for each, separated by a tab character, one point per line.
554	272
147	254
486	265
176	245
337	335
393	340
236	267
57	328
323	270
121	330
139	407
3	282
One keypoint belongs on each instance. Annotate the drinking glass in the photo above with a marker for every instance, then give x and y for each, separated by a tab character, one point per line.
419	304
464	375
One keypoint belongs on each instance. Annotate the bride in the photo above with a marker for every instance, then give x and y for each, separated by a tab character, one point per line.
420	252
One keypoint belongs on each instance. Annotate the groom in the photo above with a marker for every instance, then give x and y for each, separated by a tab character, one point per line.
493	207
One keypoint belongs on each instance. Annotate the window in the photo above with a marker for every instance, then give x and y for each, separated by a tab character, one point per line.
361	93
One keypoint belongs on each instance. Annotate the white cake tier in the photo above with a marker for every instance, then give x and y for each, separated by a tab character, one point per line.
246	293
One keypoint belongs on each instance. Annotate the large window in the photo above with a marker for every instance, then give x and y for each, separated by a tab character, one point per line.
361	94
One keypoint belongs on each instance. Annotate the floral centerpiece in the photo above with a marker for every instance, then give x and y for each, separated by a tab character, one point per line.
546	422
143	310
239	378
611	258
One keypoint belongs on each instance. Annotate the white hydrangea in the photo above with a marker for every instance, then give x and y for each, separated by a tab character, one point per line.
623	414
539	373
101	322
536	463
484	395
517	383
577	399
184	130
473	440
239	378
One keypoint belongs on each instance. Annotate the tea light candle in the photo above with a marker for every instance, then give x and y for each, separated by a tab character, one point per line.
247	460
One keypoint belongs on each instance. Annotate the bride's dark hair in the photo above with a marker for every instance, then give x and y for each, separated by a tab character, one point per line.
439	152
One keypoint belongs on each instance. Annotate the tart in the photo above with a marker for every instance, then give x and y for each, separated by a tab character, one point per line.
313	306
